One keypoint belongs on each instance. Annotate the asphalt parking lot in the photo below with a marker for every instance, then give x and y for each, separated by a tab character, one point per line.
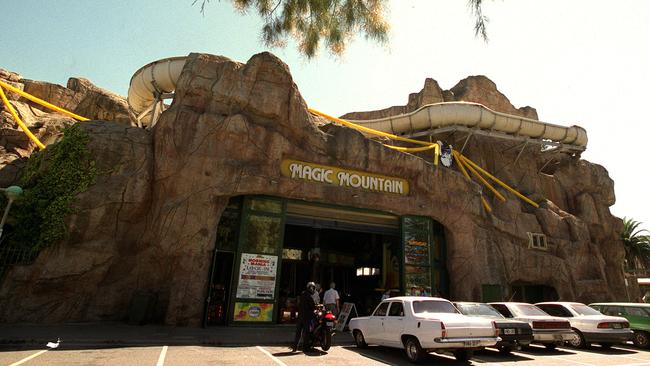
281	356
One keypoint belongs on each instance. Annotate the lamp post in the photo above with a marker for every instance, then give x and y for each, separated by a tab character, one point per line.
11	192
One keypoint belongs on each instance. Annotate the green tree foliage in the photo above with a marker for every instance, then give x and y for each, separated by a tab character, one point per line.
332	22
51	180
637	245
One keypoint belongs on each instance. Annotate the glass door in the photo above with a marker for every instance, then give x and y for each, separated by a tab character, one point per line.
416	244
258	261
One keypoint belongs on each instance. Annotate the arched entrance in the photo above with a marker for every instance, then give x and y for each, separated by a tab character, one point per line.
268	248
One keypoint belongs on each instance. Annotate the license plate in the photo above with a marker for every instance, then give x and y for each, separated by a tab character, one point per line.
330	324
617	326
471	343
508	331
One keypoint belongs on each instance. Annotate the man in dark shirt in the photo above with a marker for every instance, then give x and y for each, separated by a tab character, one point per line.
306	307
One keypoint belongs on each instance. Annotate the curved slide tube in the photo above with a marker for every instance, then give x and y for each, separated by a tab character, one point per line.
156	80
474	115
150	85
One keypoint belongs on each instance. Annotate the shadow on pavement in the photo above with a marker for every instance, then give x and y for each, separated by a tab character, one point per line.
311	353
609	351
286	353
631	347
541	350
493	355
396	357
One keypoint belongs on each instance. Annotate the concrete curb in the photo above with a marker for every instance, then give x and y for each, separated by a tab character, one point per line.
118	335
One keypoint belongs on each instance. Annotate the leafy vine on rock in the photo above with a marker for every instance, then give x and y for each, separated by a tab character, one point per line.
51	180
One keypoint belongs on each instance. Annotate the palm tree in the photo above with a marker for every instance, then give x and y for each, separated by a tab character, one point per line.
637	246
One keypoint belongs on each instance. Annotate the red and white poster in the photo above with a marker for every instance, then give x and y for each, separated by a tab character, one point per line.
257	274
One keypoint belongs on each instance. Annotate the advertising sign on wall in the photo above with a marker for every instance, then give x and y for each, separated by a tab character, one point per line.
257	275
253	312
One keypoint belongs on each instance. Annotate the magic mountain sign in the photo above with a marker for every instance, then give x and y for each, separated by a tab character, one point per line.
341	177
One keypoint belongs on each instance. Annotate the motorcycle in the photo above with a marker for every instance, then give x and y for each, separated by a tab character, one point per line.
322	327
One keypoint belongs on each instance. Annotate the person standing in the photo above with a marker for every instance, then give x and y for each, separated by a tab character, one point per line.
316	295
306	307
385	295
331	299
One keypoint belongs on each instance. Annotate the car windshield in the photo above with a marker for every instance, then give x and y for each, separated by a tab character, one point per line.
527	310
478	310
584	310
432	306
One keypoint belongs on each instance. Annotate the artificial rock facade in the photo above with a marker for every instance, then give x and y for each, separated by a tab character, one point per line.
150	224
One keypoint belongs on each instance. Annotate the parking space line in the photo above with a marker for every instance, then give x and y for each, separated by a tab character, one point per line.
567	360
29	358
275	359
378	359
161	358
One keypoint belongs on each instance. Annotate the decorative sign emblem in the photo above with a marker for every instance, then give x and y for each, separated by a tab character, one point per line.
317	173
254	311
446	157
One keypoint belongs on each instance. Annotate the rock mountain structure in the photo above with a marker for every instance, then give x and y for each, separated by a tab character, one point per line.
149	223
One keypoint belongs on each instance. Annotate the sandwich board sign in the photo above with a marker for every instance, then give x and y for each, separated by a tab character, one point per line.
344	315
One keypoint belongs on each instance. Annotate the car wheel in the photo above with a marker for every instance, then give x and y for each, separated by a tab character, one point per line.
505	350
414	351
578	341
550	346
463	354
359	339
641	339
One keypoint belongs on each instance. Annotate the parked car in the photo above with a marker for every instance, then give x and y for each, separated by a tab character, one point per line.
513	333
637	314
590	325
548	330
421	325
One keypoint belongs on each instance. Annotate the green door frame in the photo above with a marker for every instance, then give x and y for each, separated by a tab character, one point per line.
434	233
247	212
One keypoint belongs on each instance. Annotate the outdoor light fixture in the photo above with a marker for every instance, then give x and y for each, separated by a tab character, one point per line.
11	192
367	271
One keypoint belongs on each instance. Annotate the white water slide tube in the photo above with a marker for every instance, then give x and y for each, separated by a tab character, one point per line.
150	85
156	81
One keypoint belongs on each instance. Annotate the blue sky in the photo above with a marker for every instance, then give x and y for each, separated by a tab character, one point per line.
578	62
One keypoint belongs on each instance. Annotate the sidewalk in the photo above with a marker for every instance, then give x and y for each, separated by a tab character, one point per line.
121	334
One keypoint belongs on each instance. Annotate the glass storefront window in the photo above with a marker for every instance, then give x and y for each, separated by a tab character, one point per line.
411	223
416	236
418	281
264	205
263	234
234	203
227	231
416	249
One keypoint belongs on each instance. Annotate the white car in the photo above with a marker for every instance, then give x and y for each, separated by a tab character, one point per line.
590	325
421	325
548	330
